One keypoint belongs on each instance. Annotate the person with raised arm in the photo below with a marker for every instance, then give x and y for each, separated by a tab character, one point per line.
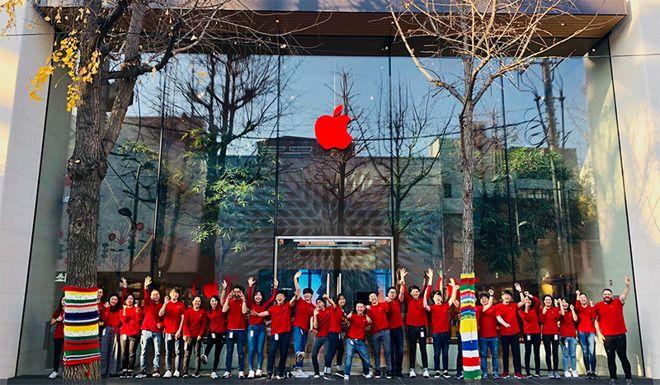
380	334
488	339
567	335
355	341
335	345
416	322
150	331
130	318
217	330
110	337
256	328
611	328
321	327
235	307
550	334
172	313
529	312
440	325
586	331
506	313
395	324
304	308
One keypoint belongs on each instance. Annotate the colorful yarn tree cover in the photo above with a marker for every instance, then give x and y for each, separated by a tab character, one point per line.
468	328
81	326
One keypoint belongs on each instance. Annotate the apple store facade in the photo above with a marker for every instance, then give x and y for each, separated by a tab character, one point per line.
203	187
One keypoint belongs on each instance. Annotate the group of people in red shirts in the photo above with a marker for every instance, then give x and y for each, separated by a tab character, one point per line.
234	319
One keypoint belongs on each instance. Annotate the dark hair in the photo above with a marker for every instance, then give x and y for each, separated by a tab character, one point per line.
176	290
320	299
307	290
507	291
484	295
532	303
373	292
60	307
359	302
217	299
129	295
339	296
390	288
607	289
239	287
434	292
549	296
413	287
255	294
116	307
282	291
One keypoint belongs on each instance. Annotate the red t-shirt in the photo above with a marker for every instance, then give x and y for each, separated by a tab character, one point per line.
151	321
130	321
172	316
509	313
395	318
378	314
258	308
216	320
530	321
440	318
586	317
235	316
415	313
323	323
58	334
112	318
336	316
194	323
487	322
280	318
303	313
549	320
610	317
567	324
357	326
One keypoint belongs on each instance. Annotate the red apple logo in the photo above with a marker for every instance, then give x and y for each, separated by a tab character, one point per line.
332	131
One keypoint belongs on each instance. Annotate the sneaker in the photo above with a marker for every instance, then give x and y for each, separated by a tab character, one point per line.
241	374
446	374
129	374
317	375
176	374
412	373
258	373
496	376
339	373
226	375
155	374
505	375
551	375
250	374
367	375
518	375
167	374
140	375
612	382
484	375
567	374
628	381
195	375
214	375
278	377
377	374
536	375
185	375
437	374
575	374
426	373
388	374
53	375
204	358
346	377
459	376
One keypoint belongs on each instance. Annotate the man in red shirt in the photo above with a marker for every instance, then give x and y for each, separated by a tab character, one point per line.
380	333
235	307
440	325
586	331
194	327
303	311
506	313
395	324
611	327
335	347
416	321
487	326
280	333
320	325
172	313
355	341
150	331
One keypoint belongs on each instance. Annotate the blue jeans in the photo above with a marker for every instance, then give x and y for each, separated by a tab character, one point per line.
492	344
299	344
235	337
588	343
255	340
441	347
173	349
396	349
568	345
382	338
356	346
145	338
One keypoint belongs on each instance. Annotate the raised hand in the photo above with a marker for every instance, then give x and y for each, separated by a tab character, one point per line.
106	305
167	299
491	292
276	283
517	286
122	283
251	281
571	307
298	274
325	296
577	293
429	272
628	281
147	281
224	284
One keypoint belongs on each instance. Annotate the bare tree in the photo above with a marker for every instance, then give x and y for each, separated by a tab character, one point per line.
492	38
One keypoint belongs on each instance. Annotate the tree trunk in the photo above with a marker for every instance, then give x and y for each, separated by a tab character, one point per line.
467	157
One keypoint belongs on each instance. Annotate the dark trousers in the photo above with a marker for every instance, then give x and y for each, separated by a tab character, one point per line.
216	340
459	355
417	336
510	343
533	344
128	350
58	346
616	346
281	345
237	337
551	347
316	348
396	349
192	344
441	348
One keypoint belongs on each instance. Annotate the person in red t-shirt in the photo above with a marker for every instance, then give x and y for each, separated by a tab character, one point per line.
567	334
355	341
335	346
416	321
236	308
506	313
217	329
130	318
440	325
194	327
487	326
395	323
320	326
57	320
380	333
586	331
256	328
172	313
303	311
150	330
529	314
611	328
110	336
280	333
550	334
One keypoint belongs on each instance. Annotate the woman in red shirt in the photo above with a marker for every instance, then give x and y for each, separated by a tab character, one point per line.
586	332
506	314
440	325
416	322
57	320
280	333
529	313
335	346
235	307
194	327
217	329
550	334
256	328
110	337
567	332
130	318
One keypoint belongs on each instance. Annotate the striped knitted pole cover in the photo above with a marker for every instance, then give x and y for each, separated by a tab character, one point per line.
468	329
81	326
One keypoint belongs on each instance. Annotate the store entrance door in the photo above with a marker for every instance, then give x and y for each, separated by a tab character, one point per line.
353	266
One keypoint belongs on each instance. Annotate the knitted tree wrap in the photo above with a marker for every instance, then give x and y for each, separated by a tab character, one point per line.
468	328
81	326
